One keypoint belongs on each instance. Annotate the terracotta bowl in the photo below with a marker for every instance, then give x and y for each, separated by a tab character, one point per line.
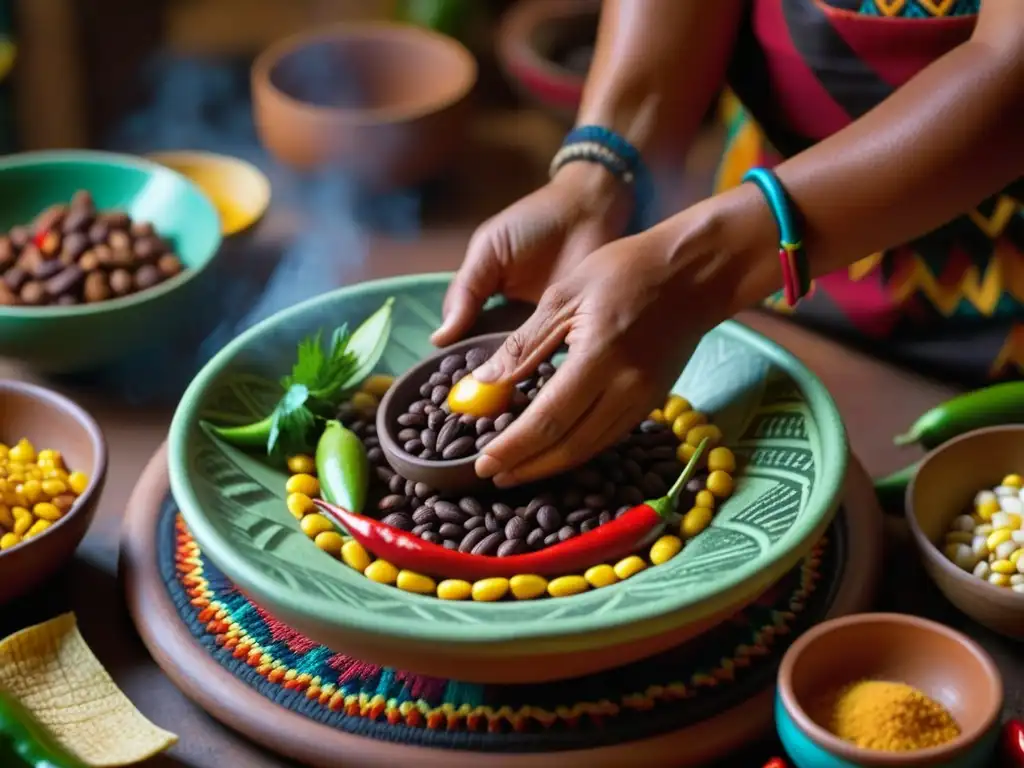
944	485
384	102
450	476
947	666
50	420
542	47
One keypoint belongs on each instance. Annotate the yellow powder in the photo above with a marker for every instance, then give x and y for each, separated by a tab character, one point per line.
892	717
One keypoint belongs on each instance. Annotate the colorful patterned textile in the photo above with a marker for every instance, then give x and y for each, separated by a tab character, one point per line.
951	302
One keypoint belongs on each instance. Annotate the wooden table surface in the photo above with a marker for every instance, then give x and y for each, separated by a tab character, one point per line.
875	399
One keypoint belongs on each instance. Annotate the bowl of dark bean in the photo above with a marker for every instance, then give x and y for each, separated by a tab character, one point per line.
94	249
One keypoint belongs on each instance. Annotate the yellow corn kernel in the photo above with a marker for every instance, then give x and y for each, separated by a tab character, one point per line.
34	473
999	579
37	527
709	431
720	483
602	575
53	488
6	518
301	464
299	504
705	498
23	452
566	586
378	385
314	524
987	508
454	589
16	478
382	572
657	415
997	537
303	483
722	458
687	421
490	590
355	556
44	510
695	521
1013	481
417	583
1013	521
665	548
51	457
527	586
78	482
9	540
1003	566
330	542
56	474
22	524
629	566
675	406
4	451
1015	556
363	403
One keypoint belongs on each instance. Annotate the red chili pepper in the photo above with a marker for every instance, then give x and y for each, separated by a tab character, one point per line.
612	541
1013	743
776	762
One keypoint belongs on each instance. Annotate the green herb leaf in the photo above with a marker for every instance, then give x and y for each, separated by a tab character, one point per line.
368	343
292	422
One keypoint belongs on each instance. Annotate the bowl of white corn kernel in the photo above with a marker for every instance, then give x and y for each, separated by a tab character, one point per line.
965	508
53	462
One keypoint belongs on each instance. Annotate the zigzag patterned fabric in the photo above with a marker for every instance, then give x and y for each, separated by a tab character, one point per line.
951	302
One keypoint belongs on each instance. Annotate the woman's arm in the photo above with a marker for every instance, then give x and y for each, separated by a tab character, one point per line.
657	66
941	144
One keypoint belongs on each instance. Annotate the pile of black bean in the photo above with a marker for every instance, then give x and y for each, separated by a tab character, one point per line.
428	429
514	521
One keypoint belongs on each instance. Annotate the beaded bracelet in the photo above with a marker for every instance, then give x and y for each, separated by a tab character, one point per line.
792	257
595	144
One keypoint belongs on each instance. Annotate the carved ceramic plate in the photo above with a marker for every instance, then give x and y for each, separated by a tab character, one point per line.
777	416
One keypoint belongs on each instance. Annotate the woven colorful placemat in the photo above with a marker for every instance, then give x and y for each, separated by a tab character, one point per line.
668	692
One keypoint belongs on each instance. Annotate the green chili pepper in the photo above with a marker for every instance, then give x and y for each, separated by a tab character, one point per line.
342	468
24	742
997	404
253	435
892	489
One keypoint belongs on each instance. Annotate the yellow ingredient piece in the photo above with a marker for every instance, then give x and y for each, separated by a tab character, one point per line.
888	716
996	538
303	483
566	586
480	399
9	540
23	452
657	415
454	589
378	385
314	524
490	590
705	498
1013	481
987	508
330	542
44	510
416	583
686	421
674	408
299	504
722	458
705	431
665	548
355	556
720	483
602	575
695	521
364	404
37	527
78	481
301	464
382	572
527	586
629	566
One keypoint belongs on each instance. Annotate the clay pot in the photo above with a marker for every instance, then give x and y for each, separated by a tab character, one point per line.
386	103
543	49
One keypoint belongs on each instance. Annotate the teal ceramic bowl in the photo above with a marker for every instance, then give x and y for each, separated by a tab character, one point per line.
776	415
944	664
72	339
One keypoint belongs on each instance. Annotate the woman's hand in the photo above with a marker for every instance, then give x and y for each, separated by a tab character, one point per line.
535	242
631	314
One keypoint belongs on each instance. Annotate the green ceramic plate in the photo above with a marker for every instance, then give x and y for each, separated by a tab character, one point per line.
776	414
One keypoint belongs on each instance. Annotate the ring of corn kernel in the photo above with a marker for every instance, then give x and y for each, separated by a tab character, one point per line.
302	486
988	540
36	491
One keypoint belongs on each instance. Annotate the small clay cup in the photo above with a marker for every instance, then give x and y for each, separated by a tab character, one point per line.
942	488
453	476
386	104
942	663
50	420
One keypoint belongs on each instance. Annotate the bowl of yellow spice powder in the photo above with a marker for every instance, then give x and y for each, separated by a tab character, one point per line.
884	689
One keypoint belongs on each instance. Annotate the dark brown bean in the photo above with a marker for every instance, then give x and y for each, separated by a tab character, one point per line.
73	246
572	499
536	538
503	512
471	506
551	538
435	420
604	517
512	547
549	518
484	440
577	517
451	530
448	433
47	269
418	406
432	500
517	528
433	538
426	453
491	522
419	530
413	446
471	539
459	449
566	533
358	426
121	282
639	455
64	281
650	425
399	520
588	525
426	388
588	478
169	265
392	501
452	363
546	369
424	515
7	252
96	288
621	511
412	420
476	357
474	523
519	399
501	423
20	236
410	488
449	513
667	470
484	425
532	394
116	219
15	277
489	545
146	277
385	474
371	441
422	490
629	495
459	375
141	228
396	484
661	453
32	293
595	501
449	544
467	421
438	378
51	218
429	408
653	486
78	220
407	434
633	471
375	455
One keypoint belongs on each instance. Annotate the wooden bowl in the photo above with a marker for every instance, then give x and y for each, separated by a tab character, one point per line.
944	485
386	103
50	420
949	667
453	476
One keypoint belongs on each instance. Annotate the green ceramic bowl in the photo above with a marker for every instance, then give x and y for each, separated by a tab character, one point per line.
778	417
71	339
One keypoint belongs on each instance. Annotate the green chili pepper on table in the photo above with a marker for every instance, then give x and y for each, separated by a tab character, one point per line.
342	467
991	406
24	743
891	490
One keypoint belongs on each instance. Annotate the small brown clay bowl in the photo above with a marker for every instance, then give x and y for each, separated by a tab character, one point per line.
50	420
385	103
942	663
453	476
944	486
